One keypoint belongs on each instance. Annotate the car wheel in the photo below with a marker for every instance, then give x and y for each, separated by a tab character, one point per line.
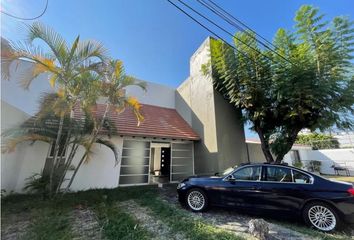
321	216
196	200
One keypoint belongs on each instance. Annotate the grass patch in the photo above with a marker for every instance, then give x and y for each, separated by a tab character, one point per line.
314	233
49	224
50	218
181	222
117	224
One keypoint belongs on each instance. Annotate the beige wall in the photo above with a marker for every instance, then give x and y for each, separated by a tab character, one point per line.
255	153
218	124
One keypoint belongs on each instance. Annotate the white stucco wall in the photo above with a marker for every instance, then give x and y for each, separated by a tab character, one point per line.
25	100
26	159
11	162
100	171
33	162
328	157
156	94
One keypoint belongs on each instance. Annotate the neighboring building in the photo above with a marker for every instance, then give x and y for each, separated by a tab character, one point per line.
188	130
328	157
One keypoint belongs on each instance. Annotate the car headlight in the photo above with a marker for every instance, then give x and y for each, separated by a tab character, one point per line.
181	185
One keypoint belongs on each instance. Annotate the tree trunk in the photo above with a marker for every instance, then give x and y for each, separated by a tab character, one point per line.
93	139
67	165
290	142
265	147
56	150
76	170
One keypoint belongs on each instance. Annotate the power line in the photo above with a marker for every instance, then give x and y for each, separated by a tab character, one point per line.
232	23
242	23
27	19
223	29
208	29
216	35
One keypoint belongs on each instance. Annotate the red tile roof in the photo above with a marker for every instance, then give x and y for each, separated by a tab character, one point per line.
158	122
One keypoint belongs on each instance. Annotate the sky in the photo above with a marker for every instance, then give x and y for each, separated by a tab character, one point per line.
155	40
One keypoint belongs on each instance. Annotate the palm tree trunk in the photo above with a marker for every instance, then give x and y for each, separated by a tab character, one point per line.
56	150
92	140
67	165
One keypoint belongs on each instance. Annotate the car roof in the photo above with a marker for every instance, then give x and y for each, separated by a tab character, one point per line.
265	163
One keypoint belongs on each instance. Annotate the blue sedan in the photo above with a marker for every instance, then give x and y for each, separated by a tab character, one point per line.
322	203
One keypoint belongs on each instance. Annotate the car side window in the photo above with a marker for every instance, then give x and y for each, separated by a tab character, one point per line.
278	174
300	177
251	173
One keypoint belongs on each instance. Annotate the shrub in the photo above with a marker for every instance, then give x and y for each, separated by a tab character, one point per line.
37	183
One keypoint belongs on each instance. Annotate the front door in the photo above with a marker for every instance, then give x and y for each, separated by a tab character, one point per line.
165	161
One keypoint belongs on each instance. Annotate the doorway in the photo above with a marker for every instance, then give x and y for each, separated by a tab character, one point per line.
160	165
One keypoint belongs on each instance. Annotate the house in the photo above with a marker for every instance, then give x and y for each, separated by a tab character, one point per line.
328	158
188	130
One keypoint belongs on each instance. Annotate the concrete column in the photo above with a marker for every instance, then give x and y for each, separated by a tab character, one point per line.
216	121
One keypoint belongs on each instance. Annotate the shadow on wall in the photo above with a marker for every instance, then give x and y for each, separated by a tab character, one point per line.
229	143
205	162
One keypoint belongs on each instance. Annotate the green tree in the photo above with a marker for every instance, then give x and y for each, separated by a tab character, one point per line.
311	85
317	141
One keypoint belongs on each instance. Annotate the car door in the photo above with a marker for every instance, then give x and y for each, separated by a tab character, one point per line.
280	191
241	188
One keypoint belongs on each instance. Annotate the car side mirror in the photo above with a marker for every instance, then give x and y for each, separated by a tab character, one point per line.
231	178
216	174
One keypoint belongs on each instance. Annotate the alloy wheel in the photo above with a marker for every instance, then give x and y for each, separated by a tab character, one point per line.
196	200
322	218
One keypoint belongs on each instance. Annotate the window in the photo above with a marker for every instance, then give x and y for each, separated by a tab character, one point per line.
61	150
278	174
248	173
301	177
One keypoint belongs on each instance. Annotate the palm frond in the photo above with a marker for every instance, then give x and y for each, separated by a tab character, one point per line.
41	62
131	81
133	103
87	50
111	146
55	42
6	53
9	145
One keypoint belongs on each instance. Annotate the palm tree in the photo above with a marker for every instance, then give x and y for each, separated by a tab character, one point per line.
112	88
64	64
41	128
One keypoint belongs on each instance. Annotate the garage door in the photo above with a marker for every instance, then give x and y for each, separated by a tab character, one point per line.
181	161
135	163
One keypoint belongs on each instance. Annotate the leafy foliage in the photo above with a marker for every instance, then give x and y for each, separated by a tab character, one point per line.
37	183
317	141
313	87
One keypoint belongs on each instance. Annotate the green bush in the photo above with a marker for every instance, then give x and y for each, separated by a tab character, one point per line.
37	183
317	141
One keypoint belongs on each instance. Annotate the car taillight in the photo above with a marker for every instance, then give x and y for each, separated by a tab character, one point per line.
351	191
